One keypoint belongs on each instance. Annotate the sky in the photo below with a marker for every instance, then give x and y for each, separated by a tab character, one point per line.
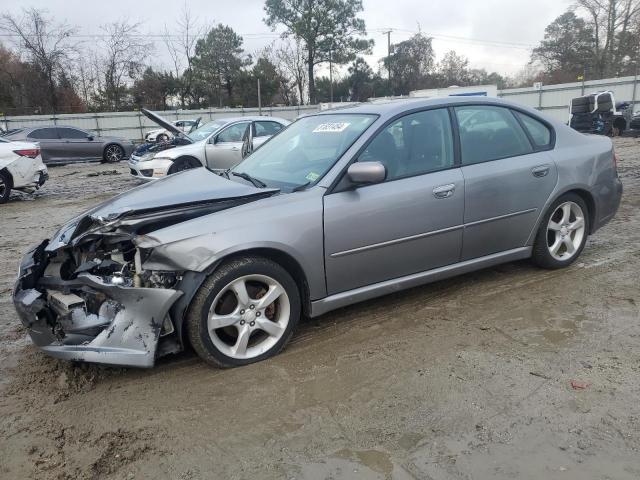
493	34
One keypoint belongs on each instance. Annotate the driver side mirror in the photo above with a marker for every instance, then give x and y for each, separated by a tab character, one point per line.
213	140
90	138
366	173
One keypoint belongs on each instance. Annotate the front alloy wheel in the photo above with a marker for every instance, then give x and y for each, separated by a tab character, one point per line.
244	312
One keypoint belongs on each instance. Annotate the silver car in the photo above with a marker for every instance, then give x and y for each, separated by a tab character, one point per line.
217	145
61	144
340	207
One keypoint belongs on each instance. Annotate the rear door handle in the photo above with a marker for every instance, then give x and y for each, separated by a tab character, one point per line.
540	170
444	191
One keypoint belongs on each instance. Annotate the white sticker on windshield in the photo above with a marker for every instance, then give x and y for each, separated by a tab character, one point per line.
335	127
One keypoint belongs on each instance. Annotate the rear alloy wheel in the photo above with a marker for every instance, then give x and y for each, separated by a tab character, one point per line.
563	233
5	187
245	312
113	153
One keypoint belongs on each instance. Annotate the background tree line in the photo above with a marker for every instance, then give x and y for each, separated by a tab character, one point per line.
47	67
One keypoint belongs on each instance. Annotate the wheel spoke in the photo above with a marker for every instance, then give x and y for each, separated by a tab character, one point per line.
577	224
240	347
556	246
271	296
554	226
239	287
566	213
221	321
272	328
568	243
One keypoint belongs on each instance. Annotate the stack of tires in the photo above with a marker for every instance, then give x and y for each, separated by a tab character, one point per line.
592	113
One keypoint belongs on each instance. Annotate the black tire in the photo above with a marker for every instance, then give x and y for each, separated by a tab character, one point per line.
112	153
580	109
198	312
183	163
581	101
541	255
5	187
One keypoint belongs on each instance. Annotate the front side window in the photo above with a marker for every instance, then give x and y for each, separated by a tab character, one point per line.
44	134
267	129
490	133
72	133
413	145
305	151
540	133
233	134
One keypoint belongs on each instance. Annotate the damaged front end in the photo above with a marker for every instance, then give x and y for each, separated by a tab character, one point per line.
87	295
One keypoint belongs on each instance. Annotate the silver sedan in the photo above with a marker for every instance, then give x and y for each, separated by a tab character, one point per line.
340	207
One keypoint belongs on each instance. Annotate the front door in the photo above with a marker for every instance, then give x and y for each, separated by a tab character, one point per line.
224	150
410	223
508	174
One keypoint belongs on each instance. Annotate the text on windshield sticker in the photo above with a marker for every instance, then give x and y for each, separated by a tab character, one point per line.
335	127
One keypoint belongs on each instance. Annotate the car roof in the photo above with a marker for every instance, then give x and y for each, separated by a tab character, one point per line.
392	107
252	118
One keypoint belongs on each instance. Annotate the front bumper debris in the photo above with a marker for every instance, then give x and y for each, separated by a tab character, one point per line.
123	330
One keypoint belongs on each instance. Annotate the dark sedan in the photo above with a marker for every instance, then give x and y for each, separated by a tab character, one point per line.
62	144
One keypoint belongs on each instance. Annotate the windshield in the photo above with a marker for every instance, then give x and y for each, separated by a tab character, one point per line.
303	152
206	130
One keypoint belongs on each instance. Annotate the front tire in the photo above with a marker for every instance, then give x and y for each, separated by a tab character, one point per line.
182	164
5	187
563	233
245	312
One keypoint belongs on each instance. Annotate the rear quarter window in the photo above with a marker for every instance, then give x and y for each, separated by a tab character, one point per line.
540	133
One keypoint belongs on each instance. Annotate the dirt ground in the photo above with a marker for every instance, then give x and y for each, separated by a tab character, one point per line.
469	378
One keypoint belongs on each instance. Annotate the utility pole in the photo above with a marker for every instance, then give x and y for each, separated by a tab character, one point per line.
388	34
331	72
259	99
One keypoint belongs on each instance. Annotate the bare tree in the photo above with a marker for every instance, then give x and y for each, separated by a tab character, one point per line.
47	46
612	22
292	59
181	47
125	52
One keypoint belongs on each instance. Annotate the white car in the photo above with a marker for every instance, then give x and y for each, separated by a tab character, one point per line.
21	168
217	145
164	135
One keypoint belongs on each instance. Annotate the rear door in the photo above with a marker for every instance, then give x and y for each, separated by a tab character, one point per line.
51	148
508	177
224	150
78	144
412	222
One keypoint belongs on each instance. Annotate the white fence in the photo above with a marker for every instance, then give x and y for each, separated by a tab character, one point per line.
550	99
554	99
133	125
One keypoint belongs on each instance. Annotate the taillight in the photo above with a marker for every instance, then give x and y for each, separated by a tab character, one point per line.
29	152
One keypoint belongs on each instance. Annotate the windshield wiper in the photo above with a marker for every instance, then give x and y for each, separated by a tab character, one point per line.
249	178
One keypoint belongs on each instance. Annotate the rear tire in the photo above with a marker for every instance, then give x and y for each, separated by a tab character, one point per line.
228	324
562	234
5	187
113	153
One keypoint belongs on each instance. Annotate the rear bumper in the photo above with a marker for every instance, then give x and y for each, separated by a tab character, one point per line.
125	332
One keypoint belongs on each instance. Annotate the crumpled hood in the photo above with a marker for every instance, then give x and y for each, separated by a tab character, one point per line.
192	188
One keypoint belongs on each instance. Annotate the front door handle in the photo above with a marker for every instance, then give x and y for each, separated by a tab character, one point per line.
444	191
540	170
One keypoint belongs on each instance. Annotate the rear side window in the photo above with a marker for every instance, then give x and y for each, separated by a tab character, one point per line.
490	133
44	133
540	133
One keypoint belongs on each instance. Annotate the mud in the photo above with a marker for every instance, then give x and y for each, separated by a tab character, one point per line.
468	378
